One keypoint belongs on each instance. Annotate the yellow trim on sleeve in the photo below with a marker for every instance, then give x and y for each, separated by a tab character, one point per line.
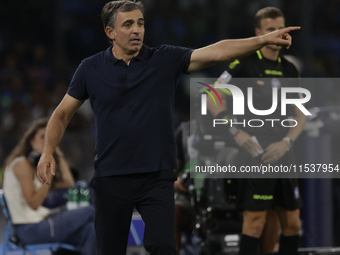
234	63
259	54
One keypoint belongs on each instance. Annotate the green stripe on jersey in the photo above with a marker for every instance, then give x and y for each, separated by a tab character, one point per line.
273	72
263	197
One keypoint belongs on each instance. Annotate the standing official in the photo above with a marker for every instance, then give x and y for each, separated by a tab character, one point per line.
263	200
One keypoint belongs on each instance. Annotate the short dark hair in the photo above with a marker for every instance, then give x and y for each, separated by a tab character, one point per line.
268	12
110	10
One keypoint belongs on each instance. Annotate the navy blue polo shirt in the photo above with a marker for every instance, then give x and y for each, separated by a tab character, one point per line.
133	107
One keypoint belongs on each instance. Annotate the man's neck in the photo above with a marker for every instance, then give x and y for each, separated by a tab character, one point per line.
270	54
125	56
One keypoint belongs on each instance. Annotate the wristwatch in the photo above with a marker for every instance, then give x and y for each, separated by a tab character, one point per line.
233	130
289	141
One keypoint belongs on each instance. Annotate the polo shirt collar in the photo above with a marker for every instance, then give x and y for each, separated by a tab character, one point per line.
143	54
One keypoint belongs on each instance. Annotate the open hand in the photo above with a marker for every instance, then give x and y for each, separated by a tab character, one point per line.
244	140
274	152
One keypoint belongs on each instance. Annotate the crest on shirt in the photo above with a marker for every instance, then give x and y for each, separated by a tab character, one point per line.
275	83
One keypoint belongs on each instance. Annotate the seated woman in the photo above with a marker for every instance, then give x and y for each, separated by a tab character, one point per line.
32	222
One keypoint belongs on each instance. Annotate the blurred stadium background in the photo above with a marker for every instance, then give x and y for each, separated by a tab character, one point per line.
42	42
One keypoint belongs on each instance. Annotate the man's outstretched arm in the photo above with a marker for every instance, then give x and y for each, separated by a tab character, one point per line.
54	132
227	50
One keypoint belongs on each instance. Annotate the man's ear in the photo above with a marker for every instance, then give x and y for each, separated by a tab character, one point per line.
257	31
110	32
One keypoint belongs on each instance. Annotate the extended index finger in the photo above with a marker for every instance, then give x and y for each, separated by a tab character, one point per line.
288	29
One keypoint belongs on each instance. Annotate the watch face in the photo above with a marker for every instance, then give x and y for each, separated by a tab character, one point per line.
289	141
233	130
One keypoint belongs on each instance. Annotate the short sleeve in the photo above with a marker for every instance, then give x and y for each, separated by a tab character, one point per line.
77	87
179	57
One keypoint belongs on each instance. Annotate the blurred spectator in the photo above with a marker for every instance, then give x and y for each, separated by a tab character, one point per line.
32	222
39	67
41	100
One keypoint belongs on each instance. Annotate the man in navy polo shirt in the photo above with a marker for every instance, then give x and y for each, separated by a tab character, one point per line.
131	89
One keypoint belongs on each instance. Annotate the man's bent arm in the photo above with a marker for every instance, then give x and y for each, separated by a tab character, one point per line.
54	132
277	149
227	50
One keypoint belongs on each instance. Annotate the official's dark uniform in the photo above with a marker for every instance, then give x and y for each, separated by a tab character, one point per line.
264	194
182	135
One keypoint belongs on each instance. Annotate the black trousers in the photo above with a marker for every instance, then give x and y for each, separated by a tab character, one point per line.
153	196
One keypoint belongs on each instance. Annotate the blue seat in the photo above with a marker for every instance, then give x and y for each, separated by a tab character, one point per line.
11	243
